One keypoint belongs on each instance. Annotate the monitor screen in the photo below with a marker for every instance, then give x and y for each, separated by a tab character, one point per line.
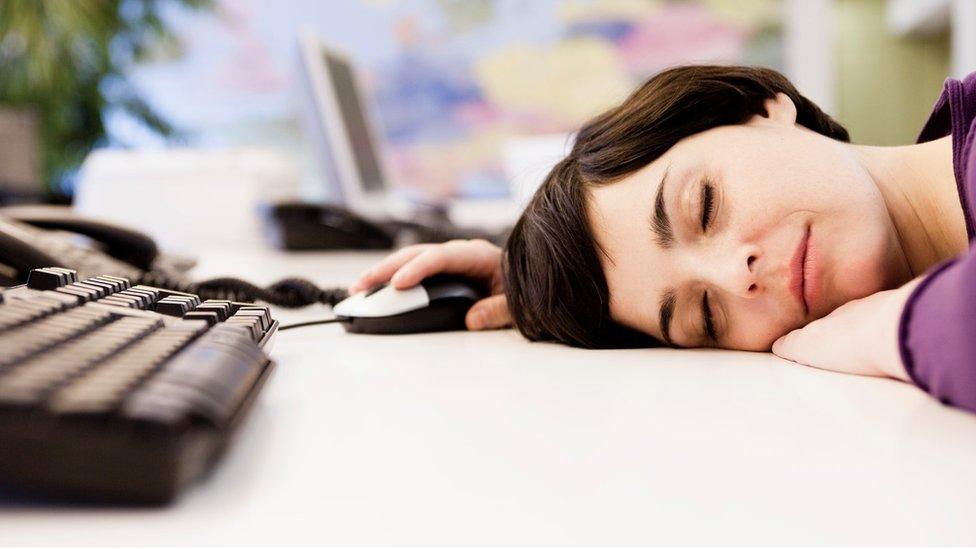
354	120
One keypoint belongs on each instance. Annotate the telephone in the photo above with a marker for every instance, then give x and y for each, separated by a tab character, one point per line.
307	226
43	236
33	237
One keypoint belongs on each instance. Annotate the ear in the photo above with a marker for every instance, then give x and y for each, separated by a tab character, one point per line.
780	110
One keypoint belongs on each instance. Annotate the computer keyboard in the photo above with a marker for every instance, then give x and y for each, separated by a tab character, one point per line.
121	393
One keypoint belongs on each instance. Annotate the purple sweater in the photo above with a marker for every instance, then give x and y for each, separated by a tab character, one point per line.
937	328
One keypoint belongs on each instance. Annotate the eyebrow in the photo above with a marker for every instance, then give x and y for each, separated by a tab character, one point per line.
668	300
660	222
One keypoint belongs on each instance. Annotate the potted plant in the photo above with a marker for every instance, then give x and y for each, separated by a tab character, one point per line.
63	66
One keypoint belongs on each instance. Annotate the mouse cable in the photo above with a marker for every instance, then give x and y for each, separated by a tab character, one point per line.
309	323
289	292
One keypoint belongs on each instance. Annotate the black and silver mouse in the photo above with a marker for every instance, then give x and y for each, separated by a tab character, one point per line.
437	304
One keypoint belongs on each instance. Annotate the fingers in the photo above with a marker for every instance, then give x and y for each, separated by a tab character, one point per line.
382	271
430	262
489	313
461	257
408	267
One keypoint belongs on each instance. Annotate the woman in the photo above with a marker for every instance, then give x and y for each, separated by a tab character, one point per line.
716	206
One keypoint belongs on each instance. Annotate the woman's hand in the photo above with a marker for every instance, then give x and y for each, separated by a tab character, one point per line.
478	259
859	337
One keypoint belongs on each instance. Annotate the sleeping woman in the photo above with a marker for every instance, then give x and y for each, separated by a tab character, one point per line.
716	206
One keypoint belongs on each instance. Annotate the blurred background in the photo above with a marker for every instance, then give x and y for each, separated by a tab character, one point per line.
459	90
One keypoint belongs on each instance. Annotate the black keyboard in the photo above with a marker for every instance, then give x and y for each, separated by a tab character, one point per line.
120	393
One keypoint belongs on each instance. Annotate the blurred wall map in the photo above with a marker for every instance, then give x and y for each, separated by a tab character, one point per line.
450	80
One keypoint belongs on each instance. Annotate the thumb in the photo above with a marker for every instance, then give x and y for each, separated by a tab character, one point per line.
491	312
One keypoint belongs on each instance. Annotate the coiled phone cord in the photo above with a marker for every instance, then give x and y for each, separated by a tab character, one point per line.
288	292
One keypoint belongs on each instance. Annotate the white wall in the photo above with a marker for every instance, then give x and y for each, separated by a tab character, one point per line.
963	37
809	50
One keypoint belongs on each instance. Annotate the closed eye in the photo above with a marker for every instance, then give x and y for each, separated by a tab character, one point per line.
707	204
709	328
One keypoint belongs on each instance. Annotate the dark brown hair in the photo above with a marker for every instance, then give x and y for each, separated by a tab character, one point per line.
554	280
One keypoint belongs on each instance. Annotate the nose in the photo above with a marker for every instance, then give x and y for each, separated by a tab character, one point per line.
736	271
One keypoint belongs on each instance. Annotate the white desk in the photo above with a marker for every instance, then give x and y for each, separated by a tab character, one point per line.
485	438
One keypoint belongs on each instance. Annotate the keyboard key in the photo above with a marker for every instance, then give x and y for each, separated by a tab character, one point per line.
252	324
94	292
152	293
46	279
264	319
188	303
231	306
138	300
222	308
118	283
99	290
172	307
265	312
81	295
170	294
120	302
191	301
70	273
108	287
210	317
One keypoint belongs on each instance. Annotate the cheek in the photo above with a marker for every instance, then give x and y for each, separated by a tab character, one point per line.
862	258
757	327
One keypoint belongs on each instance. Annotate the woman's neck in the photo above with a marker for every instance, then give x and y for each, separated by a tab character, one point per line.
919	188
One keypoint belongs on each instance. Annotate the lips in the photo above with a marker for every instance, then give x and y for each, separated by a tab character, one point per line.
797	282
812	274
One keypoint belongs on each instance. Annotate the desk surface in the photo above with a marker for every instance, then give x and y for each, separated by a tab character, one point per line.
485	438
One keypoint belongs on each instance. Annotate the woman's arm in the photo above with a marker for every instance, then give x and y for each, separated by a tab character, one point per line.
938	332
923	332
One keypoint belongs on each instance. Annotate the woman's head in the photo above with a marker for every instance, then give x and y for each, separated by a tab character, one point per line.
697	192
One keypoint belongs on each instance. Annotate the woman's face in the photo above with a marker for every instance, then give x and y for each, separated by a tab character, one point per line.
769	225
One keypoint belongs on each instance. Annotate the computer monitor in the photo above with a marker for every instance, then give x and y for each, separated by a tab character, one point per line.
342	127
342	131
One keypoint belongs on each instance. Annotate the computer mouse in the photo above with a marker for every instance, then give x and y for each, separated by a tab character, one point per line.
437	304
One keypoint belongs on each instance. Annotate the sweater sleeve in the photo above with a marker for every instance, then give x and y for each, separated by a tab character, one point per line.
937	332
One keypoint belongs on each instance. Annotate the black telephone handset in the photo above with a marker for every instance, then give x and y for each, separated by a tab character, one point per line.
33	237
122	243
